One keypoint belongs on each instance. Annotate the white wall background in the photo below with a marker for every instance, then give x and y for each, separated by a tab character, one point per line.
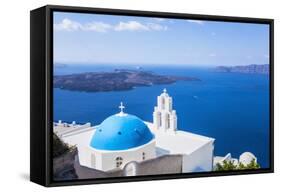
14	94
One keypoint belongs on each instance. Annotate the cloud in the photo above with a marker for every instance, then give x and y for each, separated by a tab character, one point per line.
199	22
70	25
97	26
212	55
157	27
137	26
131	26
159	19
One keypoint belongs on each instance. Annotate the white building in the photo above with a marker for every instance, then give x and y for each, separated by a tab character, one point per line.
123	138
164	117
245	159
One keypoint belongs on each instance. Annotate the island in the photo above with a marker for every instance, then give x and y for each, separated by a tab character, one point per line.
253	69
117	80
60	65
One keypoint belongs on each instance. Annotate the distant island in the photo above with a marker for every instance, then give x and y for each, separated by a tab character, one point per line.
254	68
60	65
118	80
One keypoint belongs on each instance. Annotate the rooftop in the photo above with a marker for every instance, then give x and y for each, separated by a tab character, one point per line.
181	142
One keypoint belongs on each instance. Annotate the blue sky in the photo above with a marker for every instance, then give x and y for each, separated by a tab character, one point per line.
103	39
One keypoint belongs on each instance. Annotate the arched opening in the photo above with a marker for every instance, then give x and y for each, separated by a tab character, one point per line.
166	121
131	169
158	119
119	161
169	121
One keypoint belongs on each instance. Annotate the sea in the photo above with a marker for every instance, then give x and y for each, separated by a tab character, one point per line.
233	108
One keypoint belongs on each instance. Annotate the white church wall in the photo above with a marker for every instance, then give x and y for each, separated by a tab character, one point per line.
166	164
199	160
106	160
84	155
98	158
89	157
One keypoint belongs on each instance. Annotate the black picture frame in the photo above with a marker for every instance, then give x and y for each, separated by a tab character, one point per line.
41	101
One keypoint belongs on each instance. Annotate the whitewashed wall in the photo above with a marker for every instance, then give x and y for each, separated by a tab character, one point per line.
202	158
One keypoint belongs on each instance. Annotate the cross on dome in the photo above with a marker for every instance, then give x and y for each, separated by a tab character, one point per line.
121	107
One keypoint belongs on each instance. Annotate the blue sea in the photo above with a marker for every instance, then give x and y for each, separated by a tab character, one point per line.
233	108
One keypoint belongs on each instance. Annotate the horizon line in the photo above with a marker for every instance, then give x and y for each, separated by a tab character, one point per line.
155	65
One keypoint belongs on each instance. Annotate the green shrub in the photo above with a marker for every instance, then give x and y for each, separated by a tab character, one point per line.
230	166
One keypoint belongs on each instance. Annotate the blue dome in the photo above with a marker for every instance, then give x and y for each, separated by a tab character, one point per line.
121	132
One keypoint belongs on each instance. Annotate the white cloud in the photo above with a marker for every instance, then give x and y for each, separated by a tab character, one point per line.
131	26
137	26
212	55
70	25
159	19
199	22
156	27
97	26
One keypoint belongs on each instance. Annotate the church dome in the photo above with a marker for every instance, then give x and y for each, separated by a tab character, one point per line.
121	132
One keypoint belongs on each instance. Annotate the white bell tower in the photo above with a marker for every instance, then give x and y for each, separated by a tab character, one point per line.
164	117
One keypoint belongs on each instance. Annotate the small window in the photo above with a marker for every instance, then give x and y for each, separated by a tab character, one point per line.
143	155
119	161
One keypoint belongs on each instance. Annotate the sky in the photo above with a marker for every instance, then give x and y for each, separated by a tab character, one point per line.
81	38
